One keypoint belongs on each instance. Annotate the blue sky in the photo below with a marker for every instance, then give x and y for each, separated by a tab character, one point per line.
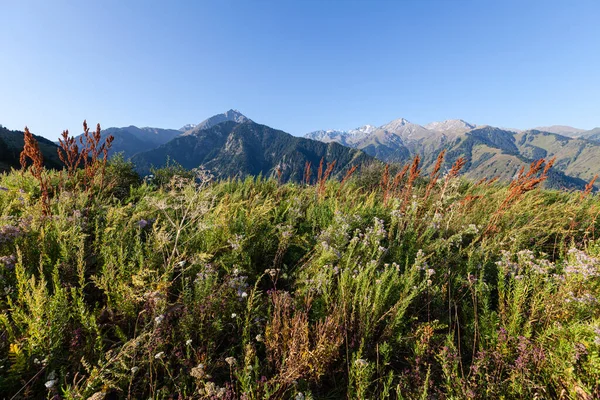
298	65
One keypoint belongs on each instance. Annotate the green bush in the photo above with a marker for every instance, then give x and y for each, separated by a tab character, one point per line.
248	289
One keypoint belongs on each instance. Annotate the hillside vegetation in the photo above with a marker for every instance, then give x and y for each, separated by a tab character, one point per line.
384	285
11	145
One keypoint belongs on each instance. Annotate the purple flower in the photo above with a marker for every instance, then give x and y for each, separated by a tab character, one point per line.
8	261
9	232
142	223
3	189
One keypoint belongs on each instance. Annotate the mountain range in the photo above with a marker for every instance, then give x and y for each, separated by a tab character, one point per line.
231	144
245	148
489	151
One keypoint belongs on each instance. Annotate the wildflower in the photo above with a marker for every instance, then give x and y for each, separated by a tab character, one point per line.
159	355
259	338
8	233
233	315
8	261
198	372
299	396
159	319
188	342
244	295
231	361
50	384
210	388
272	272
142	223
361	362
597	338
581	264
3	189
134	370
235	242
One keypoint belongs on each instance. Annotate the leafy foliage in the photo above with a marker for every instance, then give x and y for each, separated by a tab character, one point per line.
253	289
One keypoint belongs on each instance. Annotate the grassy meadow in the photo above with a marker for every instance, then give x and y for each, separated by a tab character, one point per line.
388	285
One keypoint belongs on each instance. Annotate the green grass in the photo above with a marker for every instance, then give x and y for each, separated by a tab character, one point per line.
254	290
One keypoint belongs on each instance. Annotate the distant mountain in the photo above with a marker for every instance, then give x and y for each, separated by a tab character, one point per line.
245	148
187	127
231	115
451	126
489	151
592	134
131	140
561	130
11	145
346	138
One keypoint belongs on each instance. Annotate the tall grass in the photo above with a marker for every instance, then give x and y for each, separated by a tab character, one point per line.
252	289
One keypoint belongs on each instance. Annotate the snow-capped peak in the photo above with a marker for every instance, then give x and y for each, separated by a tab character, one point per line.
451	126
187	127
363	130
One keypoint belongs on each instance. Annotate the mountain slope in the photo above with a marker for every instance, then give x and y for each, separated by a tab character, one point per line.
11	145
451	127
240	149
131	139
489	151
561	130
592	134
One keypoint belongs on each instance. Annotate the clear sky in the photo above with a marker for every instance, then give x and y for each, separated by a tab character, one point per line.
298	65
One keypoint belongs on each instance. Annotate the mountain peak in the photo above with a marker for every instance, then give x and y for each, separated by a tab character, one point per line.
362	131
451	126
231	115
187	127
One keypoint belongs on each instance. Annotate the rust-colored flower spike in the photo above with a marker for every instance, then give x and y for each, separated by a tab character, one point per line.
412	177
68	152
31	151
320	170
399	176
456	167
385	183
549	165
307	172
346	177
524	183
433	178
324	176
414	170
589	187
481	181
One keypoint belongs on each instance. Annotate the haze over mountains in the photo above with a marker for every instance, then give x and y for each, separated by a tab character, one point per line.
231	144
